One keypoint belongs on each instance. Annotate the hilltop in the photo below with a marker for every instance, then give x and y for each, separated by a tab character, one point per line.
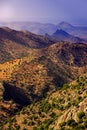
16	44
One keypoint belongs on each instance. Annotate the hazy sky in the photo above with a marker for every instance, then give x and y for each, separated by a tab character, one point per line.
52	11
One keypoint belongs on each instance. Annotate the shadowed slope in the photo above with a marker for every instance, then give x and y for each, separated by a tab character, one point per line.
15	44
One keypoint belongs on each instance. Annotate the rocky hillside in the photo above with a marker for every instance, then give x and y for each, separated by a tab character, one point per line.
44	72
65	109
54	66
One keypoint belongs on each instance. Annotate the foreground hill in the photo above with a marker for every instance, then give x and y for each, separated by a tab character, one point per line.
65	109
15	44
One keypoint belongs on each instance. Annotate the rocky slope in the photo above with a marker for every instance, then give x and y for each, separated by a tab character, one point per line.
64	109
55	65
39	75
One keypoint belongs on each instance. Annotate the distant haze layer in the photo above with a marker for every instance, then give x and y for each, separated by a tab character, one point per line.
53	11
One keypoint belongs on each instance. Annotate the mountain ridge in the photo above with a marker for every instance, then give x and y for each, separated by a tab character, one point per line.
62	35
15	44
42	28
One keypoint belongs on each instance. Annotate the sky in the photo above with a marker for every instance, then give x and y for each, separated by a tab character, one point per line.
51	11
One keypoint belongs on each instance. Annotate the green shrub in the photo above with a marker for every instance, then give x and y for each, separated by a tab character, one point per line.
31	123
62	128
17	127
65	86
85	123
45	106
25	121
79	127
35	128
81	114
46	124
53	114
24	128
60	107
68	105
71	122
80	121
51	129
80	98
62	124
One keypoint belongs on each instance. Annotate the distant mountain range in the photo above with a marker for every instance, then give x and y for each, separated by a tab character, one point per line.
16	44
34	27
39	28
79	31
62	35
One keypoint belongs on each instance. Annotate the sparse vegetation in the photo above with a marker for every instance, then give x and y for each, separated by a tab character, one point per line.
45	114
43	78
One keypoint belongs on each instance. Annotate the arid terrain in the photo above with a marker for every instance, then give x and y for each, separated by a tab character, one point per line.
43	81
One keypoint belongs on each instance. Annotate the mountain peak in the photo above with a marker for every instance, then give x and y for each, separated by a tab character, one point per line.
65	24
62	35
61	32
